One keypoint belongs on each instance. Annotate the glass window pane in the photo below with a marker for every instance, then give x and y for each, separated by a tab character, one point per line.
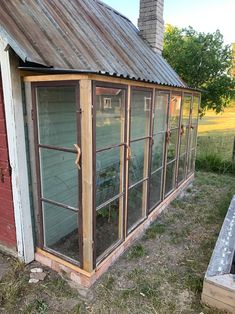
181	170
158	151
57	116
107	222
193	137
136	208
59	176
160	114
136	163
110	104
174	112
155	188
172	146
61	230
191	162
107	175
183	140
170	177
195	109
186	110
141	102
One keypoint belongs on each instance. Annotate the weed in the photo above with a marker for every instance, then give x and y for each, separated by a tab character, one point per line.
41	306
135	273
109	282
137	251
212	162
193	282
154	229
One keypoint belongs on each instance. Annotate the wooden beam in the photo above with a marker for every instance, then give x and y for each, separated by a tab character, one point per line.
87	173
12	91
101	78
128	118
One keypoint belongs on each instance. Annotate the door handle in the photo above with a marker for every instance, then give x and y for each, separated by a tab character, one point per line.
168	136
128	148
78	159
182	130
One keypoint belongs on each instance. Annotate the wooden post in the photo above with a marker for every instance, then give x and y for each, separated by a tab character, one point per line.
87	175
17	152
233	150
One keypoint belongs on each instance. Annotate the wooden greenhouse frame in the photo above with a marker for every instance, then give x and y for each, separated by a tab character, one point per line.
91	266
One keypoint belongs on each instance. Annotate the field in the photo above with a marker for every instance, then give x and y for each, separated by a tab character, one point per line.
216	133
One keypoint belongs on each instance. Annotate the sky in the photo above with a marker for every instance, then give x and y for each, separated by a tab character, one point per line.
203	15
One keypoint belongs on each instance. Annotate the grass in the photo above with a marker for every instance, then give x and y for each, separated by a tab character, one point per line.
162	273
155	229
216	141
213	124
169	279
137	251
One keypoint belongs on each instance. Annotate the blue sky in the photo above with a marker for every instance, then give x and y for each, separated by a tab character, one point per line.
202	15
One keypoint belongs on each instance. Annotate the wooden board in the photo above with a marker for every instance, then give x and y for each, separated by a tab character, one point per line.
102	78
87	179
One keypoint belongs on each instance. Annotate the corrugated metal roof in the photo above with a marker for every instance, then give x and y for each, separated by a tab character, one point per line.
83	35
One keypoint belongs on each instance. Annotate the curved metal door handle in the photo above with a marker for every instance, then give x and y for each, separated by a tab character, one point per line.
77	161
128	152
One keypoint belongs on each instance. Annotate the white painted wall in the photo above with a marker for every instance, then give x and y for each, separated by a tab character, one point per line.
17	151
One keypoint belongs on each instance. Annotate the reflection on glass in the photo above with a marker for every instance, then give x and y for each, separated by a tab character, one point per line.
160	114
109	116
141	103
157	151
186	110
135	205
172	146
170	177
183	141
155	188
174	112
59	176
136	163
181	170
107	222
61	230
191	162
195	109
56	107
194	136
107	175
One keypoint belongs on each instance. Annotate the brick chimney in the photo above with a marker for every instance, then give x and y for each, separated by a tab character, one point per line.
151	24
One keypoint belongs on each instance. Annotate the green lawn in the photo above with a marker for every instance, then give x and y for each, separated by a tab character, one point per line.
216	133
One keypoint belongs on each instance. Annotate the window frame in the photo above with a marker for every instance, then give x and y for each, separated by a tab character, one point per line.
40	220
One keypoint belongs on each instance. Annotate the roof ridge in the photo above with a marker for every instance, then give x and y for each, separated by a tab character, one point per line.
112	9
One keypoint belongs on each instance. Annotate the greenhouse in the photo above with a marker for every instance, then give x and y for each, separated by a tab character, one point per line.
107	156
100	133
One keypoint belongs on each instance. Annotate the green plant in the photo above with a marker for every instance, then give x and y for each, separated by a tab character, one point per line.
154	229
212	162
41	306
137	251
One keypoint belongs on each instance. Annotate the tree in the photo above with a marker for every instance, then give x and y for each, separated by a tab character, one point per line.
203	62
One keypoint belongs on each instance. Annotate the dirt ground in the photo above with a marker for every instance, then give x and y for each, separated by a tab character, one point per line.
161	273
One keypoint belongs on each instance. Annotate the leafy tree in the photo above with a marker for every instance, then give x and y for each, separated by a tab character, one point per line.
203	62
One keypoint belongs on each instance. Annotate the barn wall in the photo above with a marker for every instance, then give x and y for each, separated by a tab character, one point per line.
7	221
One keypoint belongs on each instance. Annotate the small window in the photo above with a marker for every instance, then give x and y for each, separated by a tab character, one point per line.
147	103
107	103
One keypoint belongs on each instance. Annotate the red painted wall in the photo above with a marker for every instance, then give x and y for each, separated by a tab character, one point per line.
7	221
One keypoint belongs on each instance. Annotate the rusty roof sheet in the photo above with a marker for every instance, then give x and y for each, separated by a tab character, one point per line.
82	35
